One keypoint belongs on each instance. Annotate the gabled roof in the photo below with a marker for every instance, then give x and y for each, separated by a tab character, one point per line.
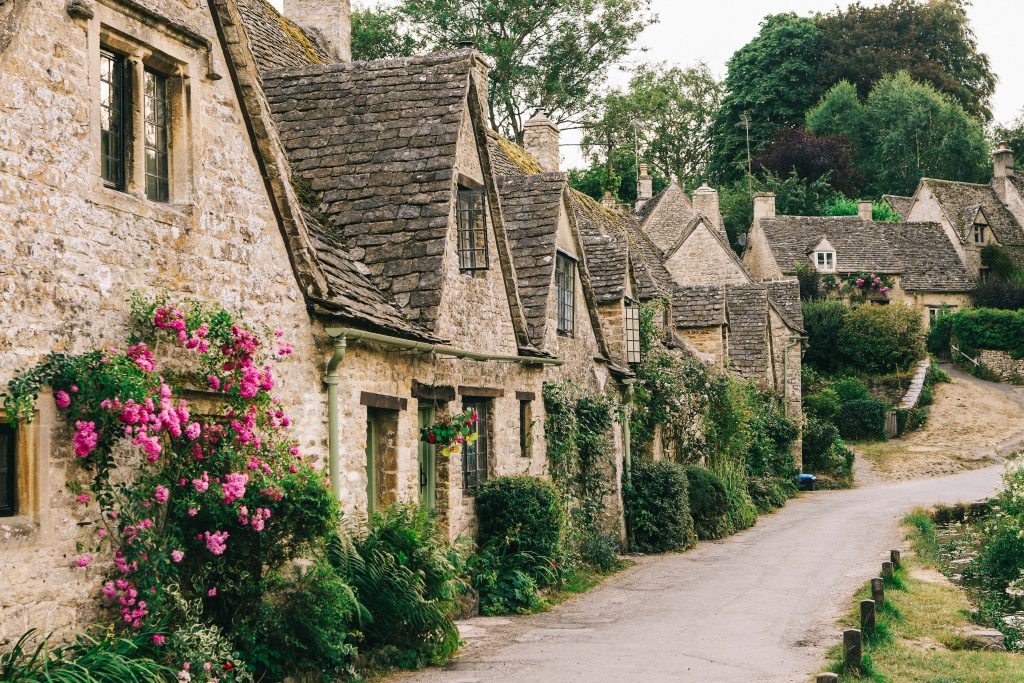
954	198
605	245
648	262
860	245
532	205
748	329
900	204
698	306
665	216
276	41
930	261
508	158
785	295
376	141
723	242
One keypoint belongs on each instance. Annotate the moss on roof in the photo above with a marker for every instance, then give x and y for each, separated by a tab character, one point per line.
518	156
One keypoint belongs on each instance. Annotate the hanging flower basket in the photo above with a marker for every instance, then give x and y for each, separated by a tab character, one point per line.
450	432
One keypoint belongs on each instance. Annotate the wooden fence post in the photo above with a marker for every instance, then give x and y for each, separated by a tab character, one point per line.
894	557
867	616
887	570
852	650
878	592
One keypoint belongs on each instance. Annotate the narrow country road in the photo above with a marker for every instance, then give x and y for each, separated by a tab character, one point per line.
758	606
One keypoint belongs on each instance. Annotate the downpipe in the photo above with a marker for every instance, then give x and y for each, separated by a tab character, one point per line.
331	379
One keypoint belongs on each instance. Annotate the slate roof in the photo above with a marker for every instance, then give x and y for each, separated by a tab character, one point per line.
901	205
748	330
860	245
956	198
698	306
652	279
785	294
276	41
665	217
377	141
605	246
531	205
508	158
930	261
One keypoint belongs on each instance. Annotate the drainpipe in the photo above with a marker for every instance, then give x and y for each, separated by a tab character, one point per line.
333	438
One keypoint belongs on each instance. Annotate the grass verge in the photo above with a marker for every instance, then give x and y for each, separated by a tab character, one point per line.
581	580
920	635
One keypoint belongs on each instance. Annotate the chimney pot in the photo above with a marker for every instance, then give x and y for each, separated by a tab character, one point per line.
706	201
329	20
541	140
764	205
644	186
1002	161
608	201
864	209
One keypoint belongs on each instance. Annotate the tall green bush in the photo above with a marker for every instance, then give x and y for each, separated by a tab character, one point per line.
988	328
823	321
524	511
862	419
878	340
824	452
709	505
658	504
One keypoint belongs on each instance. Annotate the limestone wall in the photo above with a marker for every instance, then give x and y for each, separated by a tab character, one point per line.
702	259
1002	365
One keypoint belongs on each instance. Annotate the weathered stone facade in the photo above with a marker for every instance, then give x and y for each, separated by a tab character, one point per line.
1002	365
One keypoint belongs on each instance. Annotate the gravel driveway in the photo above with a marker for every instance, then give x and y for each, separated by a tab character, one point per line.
758	606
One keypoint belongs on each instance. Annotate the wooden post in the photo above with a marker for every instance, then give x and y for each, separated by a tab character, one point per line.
894	557
867	616
852	650
827	678
887	570
878	592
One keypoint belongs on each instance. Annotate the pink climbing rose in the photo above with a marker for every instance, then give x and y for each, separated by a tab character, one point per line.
176	556
216	541
62	399
84	560
162	494
85	438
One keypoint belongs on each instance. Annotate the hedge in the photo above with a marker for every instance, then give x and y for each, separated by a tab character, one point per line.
981	328
709	503
658	503
862	419
878	340
527	511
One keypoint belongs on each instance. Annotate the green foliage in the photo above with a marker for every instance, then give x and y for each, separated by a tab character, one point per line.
508	581
408	580
862	419
658	504
999	565
823	321
844	206
379	33
903	131
881	339
594	180
1011	133
824	451
524	512
793	196
546	53
982	328
709	504
90	659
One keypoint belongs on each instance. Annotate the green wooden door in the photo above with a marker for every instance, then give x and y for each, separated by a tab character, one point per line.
427	453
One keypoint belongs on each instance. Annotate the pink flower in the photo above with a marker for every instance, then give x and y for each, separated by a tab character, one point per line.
142	356
85	438
212	593
162	494
82	497
214	382
216	541
192	512
84	560
102	533
202	484
62	399
860	282
193	431
234	486
884	290
176	556
159	639
74	388
109	591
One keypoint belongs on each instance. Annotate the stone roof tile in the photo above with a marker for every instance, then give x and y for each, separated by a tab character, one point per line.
666	216
747	307
955	197
785	294
605	246
901	205
930	261
860	245
276	41
698	306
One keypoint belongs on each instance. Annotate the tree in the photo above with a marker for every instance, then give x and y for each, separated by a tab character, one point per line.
377	33
772	80
665	114
932	41
811	157
594	179
549	54
794	196
1012	134
907	130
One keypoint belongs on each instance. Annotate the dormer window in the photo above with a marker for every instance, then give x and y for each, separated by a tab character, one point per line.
980	233
565	289
825	261
472	217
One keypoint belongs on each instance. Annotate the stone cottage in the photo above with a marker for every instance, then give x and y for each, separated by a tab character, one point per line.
917	262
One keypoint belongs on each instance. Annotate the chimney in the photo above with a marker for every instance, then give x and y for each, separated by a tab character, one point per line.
608	201
764	205
540	138
1002	161
864	209
705	201
328	20
644	186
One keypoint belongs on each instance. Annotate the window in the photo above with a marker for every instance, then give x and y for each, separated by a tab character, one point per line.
8	476
525	428
825	261
156	143
979	233
113	120
632	332
565	288
472	210
475	455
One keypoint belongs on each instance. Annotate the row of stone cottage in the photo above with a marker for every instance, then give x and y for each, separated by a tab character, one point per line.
417	262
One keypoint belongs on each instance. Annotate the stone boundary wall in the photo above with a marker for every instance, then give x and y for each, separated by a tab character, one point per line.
1002	365
910	398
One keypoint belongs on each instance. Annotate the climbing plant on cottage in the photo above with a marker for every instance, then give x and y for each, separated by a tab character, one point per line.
195	509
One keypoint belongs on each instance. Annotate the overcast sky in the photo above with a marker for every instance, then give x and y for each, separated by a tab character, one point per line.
691	31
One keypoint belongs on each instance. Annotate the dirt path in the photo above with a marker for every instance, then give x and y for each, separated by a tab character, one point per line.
973	423
759	606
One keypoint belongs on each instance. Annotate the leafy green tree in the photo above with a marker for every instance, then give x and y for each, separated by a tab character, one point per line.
378	33
665	114
594	179
773	81
907	130
547	53
794	196
932	41
1012	133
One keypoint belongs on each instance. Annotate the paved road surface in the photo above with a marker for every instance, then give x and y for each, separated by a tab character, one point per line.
758	606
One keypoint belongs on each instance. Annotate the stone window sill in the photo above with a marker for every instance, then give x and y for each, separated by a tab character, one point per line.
16	527
141	206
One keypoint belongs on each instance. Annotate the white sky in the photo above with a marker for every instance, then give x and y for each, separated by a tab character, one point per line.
691	31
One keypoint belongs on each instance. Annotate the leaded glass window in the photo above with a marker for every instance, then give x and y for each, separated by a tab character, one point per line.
8	490
475	455
156	139
113	118
472	210
632	332
565	288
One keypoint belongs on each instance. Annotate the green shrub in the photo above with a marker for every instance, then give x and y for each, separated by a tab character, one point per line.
988	328
525	510
769	493
823	321
940	335
862	419
409	581
823	405
507	580
659	508
851	389
709	504
878	340
89	659
824	451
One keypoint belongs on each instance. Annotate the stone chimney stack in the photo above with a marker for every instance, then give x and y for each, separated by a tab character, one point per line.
541	138
608	201
705	200
864	209
764	205
329	20
1002	161
644	186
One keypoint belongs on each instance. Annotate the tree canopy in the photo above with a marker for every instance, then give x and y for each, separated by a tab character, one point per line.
377	33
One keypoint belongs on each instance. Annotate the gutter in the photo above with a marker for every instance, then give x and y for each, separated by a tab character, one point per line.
341	337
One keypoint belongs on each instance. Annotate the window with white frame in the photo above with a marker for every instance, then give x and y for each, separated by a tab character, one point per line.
825	261
632	332
936	312
980	230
